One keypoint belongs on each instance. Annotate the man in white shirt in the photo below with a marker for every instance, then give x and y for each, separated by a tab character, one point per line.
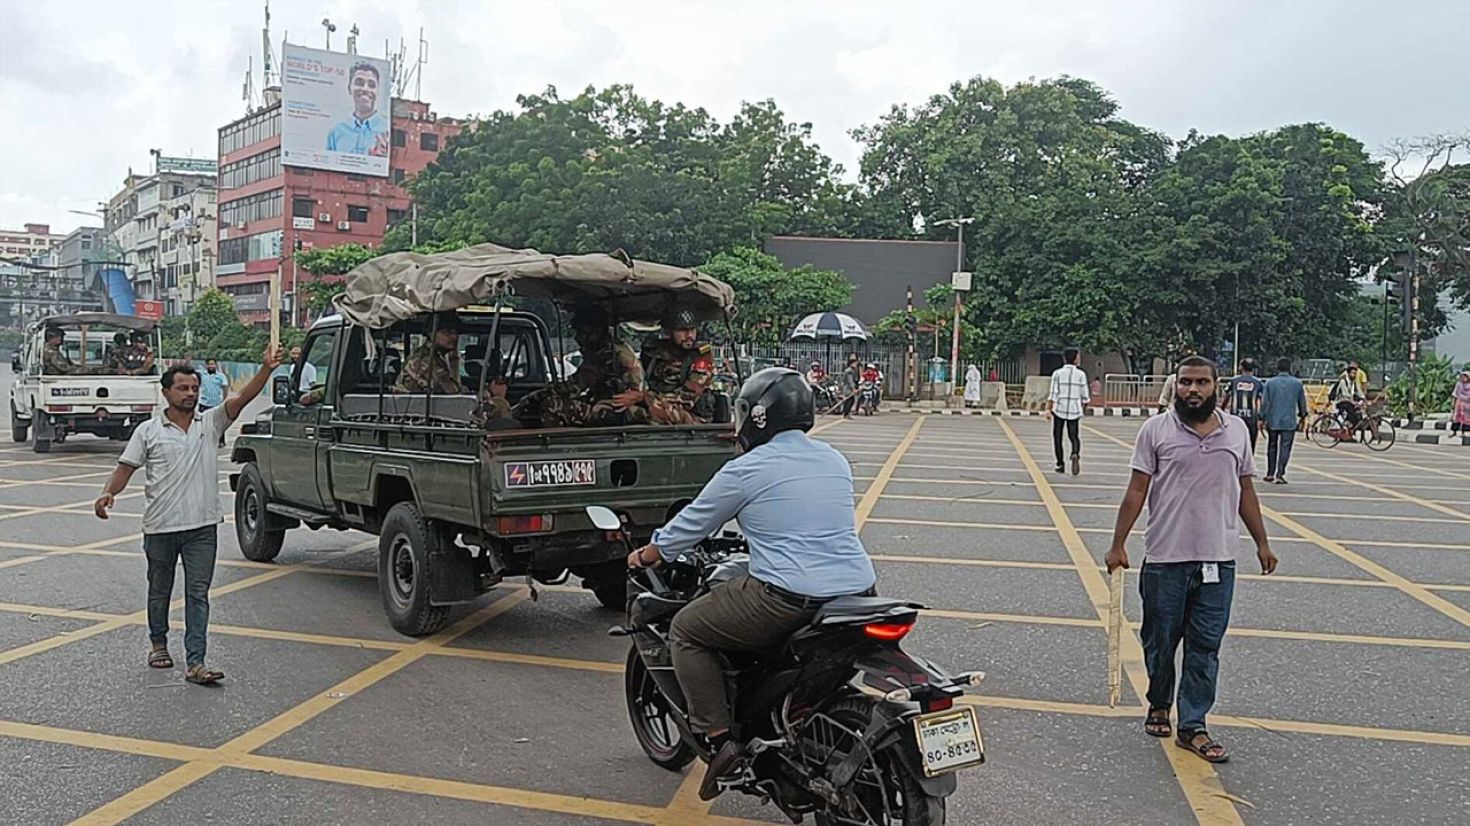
178	449
1069	398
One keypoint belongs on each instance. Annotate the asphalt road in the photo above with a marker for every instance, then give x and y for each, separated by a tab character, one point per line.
1343	695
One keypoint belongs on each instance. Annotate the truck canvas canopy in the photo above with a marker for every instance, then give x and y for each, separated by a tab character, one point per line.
401	285
79	320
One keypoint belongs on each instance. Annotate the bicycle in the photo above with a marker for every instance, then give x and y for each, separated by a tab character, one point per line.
1372	431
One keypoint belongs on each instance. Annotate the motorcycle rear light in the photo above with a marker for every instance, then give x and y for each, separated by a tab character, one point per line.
887	631
536	523
938	704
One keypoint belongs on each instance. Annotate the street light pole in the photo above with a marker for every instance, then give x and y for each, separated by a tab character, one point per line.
959	266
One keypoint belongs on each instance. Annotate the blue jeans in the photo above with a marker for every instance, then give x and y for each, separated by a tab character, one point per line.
1278	451
197	548
1178	605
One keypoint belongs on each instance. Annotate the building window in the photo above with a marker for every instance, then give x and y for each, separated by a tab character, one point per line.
255	168
258	207
86	245
429	142
250	131
400	137
351	176
303	207
395	215
398	176
357	214
261	246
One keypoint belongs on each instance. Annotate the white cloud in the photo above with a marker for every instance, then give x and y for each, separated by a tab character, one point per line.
87	87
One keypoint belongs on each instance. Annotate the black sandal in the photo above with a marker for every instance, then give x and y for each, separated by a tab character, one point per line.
1186	741
199	675
159	658
1157	724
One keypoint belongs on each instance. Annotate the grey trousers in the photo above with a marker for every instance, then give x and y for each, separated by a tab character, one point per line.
740	615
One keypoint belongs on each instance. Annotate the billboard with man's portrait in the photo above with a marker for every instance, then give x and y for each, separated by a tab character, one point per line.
335	111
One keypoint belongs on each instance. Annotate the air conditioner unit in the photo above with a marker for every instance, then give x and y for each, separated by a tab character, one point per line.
343	225
413	115
325	217
240	225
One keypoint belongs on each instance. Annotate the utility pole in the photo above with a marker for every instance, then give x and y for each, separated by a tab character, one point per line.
955	285
911	327
1413	282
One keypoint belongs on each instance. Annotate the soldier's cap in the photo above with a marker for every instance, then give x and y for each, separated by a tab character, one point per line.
119	338
679	317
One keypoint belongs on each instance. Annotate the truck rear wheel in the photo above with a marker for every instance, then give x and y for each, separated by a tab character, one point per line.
608	581
404	548
258	542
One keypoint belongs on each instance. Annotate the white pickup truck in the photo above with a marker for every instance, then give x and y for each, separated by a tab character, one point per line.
52	405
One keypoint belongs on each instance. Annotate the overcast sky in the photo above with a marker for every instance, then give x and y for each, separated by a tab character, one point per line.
87	87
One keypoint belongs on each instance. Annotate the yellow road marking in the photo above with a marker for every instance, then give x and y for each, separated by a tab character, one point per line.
149	793
982	563
1207	797
1460	516
885	474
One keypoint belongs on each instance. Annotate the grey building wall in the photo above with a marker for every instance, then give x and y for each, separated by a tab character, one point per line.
879	270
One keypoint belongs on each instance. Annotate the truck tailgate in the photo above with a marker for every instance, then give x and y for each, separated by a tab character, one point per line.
90	394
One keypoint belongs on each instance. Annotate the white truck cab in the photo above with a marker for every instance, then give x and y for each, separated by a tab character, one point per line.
50	406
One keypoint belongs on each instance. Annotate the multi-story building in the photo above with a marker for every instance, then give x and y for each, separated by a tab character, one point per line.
268	210
33	242
138	218
187	249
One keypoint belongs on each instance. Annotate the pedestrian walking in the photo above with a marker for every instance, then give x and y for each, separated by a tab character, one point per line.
1461	420
1243	398
176	449
1283	409
852	375
214	385
1193	466
1066	402
972	386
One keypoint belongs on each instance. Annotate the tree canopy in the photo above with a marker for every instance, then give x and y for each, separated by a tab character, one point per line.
771	298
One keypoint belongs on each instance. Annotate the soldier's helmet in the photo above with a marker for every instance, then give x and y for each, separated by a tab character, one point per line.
680	317
54	332
120	339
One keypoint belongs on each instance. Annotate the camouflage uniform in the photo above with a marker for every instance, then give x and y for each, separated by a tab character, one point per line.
126	361
586	399
427	371
491	409
677	383
55	363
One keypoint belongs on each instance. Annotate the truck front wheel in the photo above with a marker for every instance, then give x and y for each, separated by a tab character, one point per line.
20	429
404	548
258	542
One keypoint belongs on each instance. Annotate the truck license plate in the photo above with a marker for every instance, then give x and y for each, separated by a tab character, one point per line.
949	740
550	474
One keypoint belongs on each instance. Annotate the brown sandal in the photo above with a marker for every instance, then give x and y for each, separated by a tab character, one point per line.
1208	750
1156	724
159	658
199	675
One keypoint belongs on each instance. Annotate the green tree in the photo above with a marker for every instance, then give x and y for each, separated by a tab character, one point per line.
771	298
326	266
612	170
1429	211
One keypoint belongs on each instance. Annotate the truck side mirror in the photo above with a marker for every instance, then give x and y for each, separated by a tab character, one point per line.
281	390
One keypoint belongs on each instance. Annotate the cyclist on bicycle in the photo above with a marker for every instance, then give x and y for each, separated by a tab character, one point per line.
1348	393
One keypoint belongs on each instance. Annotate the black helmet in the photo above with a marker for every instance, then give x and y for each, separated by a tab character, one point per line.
773	400
679	317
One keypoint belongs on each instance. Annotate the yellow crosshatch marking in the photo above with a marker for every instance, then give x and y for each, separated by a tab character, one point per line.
1209	800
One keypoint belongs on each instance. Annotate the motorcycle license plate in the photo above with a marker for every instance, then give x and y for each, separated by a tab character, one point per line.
949	740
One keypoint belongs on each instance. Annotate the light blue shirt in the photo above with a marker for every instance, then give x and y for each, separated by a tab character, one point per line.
1283	402
212	387
793	499
357	137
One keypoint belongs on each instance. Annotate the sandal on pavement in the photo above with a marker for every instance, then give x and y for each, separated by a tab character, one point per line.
199	675
1157	724
1200	742
159	658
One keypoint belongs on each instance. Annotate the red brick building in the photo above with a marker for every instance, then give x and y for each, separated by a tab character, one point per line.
267	210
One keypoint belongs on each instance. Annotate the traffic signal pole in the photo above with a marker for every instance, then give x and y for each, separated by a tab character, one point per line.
1413	301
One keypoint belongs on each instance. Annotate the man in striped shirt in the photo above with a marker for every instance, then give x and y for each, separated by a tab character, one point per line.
1069	396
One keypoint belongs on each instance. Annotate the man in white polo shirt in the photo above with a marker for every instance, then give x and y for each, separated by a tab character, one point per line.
178	451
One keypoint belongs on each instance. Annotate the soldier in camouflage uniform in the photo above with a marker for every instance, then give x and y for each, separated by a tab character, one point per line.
128	357
680	370
53	359
434	366
606	390
494	412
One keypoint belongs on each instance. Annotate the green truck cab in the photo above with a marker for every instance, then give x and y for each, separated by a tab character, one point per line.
458	504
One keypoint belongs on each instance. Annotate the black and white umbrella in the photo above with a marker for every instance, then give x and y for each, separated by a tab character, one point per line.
829	326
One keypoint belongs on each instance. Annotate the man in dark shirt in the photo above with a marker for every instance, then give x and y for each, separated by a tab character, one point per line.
1243	397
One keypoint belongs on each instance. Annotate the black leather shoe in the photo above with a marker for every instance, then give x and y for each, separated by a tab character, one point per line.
725	765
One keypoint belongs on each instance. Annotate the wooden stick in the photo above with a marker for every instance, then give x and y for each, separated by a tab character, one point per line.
1115	637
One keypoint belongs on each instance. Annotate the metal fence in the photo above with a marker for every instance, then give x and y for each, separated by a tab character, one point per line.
1132	390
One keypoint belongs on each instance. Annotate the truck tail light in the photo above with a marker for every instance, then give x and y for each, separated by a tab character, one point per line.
59	408
142	408
536	523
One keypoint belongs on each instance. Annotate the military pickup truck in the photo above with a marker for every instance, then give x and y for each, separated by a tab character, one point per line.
459	504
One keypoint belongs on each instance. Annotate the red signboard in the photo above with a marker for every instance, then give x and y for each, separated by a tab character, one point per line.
148	309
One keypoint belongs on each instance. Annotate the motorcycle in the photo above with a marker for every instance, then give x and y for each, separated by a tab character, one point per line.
868	397
825	395
883	755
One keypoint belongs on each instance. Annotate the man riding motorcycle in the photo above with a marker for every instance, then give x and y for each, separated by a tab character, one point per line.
792	496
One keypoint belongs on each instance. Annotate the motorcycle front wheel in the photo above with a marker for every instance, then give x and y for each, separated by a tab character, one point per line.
886	793
652	717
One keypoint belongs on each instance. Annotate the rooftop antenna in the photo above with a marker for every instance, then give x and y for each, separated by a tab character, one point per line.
248	92
268	78
415	74
330	27
352	34
395	65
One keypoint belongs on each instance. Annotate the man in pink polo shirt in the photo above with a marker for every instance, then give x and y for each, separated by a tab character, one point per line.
1194	467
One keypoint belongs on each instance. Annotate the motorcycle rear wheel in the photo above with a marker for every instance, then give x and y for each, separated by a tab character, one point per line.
652	718
880	780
